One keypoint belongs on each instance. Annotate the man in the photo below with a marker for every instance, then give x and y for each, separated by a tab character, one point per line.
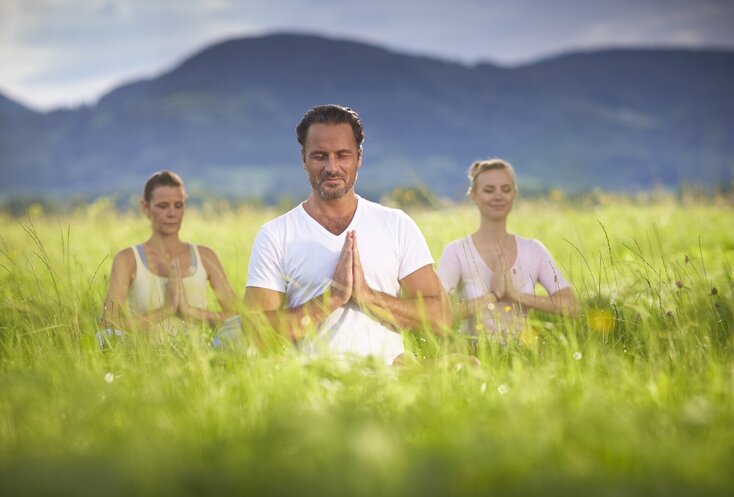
337	263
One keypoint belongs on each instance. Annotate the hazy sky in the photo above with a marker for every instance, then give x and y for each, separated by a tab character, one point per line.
65	52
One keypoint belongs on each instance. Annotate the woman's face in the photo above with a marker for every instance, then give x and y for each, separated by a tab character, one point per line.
166	209
494	193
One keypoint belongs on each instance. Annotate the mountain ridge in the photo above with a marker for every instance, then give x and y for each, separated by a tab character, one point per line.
615	118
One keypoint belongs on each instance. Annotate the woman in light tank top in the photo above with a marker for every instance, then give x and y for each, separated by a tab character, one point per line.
160	286
492	273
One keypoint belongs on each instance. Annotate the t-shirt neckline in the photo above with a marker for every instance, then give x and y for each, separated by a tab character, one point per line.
326	232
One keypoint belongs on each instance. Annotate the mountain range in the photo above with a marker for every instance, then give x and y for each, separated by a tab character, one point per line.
224	118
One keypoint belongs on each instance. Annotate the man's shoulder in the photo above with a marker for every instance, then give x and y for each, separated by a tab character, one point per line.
283	219
375	209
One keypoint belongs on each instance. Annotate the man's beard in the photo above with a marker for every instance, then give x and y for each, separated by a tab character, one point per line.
333	193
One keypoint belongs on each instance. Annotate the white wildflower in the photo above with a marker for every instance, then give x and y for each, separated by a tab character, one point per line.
109	377
577	355
503	389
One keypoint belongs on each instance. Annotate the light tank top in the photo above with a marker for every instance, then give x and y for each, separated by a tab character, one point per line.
148	290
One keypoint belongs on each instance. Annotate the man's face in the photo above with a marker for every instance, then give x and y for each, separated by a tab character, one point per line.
331	159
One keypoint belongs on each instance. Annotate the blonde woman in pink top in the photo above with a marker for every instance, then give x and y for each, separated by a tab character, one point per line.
492	273
161	285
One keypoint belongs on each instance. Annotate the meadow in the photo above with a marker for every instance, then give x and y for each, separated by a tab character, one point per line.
634	396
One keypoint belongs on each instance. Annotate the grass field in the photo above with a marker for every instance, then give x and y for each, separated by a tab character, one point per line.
634	396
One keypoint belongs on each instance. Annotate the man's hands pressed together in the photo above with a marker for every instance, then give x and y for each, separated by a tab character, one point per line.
343	280
423	293
349	283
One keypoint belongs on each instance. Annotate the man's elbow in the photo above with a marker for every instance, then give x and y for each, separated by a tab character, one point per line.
441	317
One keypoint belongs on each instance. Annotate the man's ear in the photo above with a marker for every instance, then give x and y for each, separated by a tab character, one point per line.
360	155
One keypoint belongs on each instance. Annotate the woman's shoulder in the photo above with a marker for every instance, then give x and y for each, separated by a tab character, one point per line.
531	245
124	261
459	243
126	255
528	242
460	246
204	250
207	254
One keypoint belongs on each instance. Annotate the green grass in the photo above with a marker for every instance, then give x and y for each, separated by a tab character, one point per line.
645	408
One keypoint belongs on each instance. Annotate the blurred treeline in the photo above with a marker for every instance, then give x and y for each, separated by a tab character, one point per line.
408	198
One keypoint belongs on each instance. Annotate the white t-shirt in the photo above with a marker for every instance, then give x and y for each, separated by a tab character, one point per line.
295	255
463	270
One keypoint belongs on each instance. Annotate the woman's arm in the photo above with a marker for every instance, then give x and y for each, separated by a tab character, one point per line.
449	272
123	267
560	302
222	289
463	309
560	299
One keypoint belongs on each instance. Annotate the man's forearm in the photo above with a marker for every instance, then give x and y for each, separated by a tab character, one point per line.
295	322
410	313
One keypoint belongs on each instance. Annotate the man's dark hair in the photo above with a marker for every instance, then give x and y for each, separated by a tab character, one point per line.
330	114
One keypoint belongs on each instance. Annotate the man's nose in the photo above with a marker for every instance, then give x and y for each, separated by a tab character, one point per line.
331	164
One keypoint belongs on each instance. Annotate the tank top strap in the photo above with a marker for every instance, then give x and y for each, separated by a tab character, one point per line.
139	256
139	253
195	284
147	291
195	257
197	263
141	261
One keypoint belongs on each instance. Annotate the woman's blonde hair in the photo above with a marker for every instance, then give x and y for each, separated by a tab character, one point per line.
478	167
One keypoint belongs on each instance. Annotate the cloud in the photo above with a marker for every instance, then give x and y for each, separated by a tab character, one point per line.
680	23
84	45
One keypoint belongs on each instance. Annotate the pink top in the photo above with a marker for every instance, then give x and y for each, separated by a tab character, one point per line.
462	270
